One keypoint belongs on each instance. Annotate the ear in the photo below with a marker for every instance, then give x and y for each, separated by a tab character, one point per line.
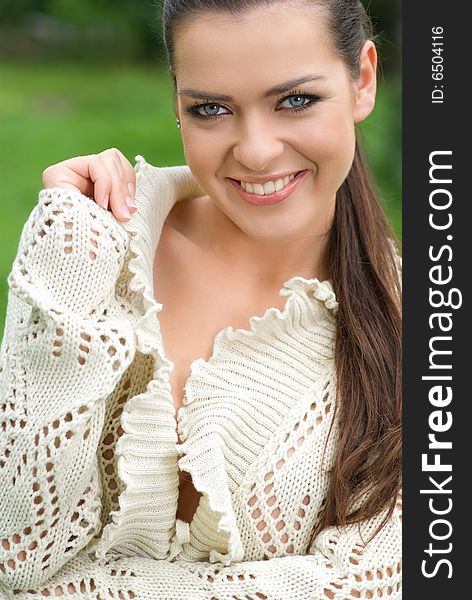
366	85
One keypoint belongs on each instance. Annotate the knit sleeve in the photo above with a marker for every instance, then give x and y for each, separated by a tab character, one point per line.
68	343
339	566
60	359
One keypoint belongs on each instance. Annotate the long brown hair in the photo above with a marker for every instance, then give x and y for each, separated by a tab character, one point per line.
361	255
364	271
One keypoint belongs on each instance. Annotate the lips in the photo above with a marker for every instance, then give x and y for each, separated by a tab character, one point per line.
271	198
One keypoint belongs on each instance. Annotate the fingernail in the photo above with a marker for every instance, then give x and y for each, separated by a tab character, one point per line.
126	212
130	202
105	201
131	188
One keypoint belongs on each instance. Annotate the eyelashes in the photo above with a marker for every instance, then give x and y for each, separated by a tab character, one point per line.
310	99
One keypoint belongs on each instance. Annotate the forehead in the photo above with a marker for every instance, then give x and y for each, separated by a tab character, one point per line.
265	44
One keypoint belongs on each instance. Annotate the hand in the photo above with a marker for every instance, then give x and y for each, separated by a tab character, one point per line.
107	177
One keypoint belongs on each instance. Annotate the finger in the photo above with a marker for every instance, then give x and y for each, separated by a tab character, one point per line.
118	192
130	176
120	162
120	198
102	181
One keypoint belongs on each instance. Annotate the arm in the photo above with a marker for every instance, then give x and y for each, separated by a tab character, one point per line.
56	374
60	359
338	566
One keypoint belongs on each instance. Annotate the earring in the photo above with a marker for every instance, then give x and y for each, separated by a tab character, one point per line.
178	123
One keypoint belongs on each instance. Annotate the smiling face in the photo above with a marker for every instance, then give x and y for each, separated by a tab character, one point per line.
263	98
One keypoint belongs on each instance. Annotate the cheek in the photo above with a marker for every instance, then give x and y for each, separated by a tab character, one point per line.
201	161
192	148
332	148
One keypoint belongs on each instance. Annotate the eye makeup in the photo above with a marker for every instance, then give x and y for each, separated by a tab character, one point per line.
311	99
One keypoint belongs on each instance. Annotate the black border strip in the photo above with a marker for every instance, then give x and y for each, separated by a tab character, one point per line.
437	231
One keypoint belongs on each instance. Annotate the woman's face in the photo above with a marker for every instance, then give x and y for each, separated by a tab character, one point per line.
237	127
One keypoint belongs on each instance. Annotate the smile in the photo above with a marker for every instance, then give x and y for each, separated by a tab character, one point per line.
267	188
270	192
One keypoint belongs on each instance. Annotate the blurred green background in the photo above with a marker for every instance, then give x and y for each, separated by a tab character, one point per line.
80	76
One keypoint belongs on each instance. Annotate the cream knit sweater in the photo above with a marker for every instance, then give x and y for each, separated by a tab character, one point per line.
90	443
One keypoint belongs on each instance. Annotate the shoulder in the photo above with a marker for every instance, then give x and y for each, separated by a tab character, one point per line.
169	184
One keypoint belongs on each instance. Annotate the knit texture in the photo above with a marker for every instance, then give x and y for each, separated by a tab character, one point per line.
91	444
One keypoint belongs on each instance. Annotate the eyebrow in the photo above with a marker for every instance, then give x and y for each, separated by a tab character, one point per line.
275	91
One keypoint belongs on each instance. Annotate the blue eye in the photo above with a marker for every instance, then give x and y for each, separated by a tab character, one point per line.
211	110
297	101
206	111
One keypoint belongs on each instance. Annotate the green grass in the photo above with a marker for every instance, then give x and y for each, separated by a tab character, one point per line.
50	112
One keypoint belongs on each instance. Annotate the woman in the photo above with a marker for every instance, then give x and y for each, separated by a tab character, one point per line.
132	357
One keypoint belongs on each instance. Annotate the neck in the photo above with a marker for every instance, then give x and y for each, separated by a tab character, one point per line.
263	264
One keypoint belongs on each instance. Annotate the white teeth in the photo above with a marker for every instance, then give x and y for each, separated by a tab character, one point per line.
268	188
279	185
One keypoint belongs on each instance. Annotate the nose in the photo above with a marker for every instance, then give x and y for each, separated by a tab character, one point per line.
257	145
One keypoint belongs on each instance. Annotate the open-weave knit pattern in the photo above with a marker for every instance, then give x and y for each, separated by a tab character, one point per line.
91	445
